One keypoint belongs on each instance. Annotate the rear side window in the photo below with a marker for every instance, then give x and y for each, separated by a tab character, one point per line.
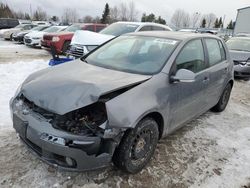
99	28
214	51
157	28
146	28
191	57
222	51
90	28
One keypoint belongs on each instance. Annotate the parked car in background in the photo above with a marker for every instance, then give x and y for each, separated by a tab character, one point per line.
239	48
82	43
117	101
34	38
61	40
19	36
7	35
6	23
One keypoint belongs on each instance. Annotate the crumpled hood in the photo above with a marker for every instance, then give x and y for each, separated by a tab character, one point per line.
84	37
239	55
73	85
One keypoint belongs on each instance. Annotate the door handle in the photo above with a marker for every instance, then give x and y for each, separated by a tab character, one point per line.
206	79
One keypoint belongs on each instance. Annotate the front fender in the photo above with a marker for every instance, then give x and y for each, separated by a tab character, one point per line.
127	109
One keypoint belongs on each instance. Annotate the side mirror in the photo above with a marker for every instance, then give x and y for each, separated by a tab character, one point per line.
183	75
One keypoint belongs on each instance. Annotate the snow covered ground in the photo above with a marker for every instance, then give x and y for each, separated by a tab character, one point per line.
211	151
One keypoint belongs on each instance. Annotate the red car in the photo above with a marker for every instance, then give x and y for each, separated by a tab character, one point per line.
61	40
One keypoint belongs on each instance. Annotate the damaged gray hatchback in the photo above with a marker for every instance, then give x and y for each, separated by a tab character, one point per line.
115	103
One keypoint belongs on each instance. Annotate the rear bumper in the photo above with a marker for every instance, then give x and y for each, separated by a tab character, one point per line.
59	148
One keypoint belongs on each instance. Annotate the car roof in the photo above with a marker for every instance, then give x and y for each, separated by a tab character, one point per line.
172	35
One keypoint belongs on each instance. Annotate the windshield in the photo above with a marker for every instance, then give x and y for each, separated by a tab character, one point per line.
239	44
134	54
118	29
73	28
39	28
20	26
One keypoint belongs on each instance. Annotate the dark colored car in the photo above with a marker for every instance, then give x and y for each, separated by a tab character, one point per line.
19	37
6	23
239	48
117	101
61	40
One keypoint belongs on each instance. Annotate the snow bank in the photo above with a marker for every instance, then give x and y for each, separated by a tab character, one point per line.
11	76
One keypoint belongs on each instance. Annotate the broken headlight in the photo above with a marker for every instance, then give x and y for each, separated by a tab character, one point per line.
84	121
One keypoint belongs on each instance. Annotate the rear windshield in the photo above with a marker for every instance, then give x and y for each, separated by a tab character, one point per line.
39	28
118	29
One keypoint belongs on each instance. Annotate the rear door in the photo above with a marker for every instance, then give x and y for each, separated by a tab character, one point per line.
188	99
218	69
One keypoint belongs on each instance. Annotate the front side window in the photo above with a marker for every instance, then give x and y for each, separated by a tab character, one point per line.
191	57
214	51
135	54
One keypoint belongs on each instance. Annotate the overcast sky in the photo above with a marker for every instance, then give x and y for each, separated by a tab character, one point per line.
164	8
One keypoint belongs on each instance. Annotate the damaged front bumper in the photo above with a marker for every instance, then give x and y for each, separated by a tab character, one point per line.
62	149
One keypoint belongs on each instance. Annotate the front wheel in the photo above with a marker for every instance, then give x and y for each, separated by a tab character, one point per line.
221	105
137	146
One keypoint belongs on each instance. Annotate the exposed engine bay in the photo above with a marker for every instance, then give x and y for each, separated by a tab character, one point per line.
84	121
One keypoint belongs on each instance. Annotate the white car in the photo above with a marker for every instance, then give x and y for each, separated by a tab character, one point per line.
85	41
7	34
34	38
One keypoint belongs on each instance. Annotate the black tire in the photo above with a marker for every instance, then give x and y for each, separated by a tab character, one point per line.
221	105
137	146
11	37
65	47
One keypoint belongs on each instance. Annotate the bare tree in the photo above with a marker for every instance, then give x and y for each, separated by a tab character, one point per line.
195	18
114	14
40	14
69	15
180	18
123	12
88	19
210	19
186	20
132	12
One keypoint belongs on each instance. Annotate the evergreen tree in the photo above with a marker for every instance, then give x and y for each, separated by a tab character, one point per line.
106	14
216	23
160	20
230	25
203	23
220	22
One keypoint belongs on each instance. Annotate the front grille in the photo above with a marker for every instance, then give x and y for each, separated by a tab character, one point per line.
47	37
28	41
236	62
76	51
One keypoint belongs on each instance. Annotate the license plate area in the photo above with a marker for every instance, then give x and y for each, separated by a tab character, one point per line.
20	126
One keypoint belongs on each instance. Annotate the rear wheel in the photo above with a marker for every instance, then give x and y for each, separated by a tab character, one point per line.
65	47
221	105
137	146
